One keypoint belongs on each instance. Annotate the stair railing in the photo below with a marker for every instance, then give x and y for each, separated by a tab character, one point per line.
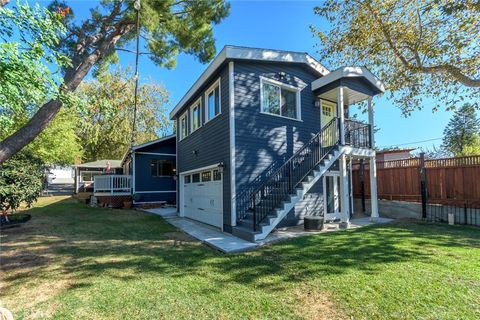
282	182
357	134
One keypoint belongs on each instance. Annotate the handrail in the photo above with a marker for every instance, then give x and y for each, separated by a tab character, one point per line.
112	183
281	183
357	134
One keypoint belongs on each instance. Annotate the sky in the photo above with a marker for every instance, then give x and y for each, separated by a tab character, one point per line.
284	25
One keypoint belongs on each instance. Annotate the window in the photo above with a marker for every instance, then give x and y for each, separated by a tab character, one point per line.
279	99
195	112
206	176
326	110
217	175
212	102
162	168
184	125
187	179
196	177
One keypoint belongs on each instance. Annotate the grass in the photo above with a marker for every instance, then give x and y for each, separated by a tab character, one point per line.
74	262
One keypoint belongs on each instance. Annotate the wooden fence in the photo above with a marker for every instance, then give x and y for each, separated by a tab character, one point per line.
449	180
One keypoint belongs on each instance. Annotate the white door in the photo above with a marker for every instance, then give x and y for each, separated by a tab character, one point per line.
202	197
331	193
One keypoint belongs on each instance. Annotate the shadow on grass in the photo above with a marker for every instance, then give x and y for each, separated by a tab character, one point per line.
81	243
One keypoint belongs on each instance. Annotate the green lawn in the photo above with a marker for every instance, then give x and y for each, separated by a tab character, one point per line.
74	262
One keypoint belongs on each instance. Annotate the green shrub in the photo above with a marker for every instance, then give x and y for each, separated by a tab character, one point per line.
21	181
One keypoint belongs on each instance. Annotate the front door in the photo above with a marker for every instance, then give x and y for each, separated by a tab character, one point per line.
331	187
329	111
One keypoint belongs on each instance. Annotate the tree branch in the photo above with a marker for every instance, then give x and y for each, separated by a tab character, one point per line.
47	112
132	51
453	71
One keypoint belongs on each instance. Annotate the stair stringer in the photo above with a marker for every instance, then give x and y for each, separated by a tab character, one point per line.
305	186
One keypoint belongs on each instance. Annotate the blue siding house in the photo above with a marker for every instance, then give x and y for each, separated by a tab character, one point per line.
264	139
152	166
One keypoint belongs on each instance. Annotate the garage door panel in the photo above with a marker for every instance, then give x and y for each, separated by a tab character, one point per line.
203	201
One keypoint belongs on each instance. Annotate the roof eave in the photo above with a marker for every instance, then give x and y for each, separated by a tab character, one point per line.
255	54
349	72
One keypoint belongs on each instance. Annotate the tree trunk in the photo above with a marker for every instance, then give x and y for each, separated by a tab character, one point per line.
3	3
47	112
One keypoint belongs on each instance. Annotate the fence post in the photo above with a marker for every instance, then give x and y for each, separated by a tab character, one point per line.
423	185
362	183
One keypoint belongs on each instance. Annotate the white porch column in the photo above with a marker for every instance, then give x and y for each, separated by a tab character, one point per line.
371	122
373	166
344	194
341	114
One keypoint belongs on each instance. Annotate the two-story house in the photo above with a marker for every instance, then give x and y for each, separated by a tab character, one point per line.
264	138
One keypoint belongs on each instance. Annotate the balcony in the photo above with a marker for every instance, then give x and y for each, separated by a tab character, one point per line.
357	134
112	184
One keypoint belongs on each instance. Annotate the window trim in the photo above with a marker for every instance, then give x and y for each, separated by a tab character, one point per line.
198	103
216	84
183	116
285	86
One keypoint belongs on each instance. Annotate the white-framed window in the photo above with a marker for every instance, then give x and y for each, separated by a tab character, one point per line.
213	105
183	125
195	116
279	99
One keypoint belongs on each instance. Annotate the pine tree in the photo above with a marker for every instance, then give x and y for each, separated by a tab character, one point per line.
461	136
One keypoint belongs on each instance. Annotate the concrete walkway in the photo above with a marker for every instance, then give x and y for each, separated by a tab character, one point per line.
228	243
298	231
209	235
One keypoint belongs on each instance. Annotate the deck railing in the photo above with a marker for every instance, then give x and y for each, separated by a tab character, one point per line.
357	134
112	183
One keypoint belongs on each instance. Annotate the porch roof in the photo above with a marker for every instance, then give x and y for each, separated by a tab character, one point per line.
100	164
359	84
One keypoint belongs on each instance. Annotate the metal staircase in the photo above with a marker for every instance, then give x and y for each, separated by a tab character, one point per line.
277	195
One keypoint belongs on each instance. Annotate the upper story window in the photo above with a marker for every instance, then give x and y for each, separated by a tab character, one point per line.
212	101
162	168
183	126
195	116
279	99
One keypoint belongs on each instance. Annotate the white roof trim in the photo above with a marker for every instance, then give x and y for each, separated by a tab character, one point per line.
124	158
146	144
243	53
348	72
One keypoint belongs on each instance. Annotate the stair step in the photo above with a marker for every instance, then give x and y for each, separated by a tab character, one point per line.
245	233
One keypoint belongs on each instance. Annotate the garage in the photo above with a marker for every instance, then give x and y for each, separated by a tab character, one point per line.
202	196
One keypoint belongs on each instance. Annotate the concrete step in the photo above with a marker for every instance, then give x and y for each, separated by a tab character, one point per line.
244	233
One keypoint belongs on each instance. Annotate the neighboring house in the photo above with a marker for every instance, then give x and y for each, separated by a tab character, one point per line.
394	154
152	167
62	174
263	139
85	172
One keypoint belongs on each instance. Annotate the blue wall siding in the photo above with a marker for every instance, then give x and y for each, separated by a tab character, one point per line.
144	181
310	205
264	142
166	146
211	142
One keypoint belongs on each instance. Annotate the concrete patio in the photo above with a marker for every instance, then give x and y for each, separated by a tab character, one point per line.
228	243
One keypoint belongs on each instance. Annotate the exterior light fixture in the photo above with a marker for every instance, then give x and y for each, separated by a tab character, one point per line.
221	167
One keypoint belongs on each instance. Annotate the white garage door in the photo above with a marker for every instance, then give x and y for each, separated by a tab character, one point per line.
202	197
